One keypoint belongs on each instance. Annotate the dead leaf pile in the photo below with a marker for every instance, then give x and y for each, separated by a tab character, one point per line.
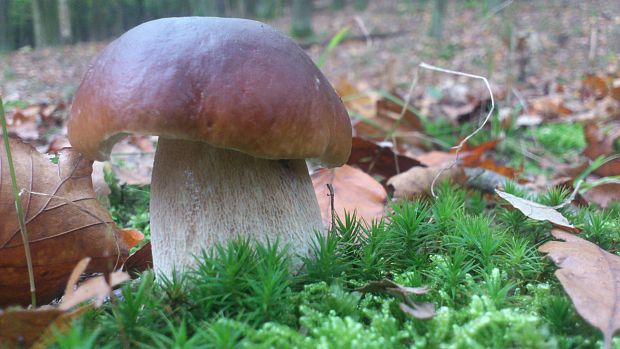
65	223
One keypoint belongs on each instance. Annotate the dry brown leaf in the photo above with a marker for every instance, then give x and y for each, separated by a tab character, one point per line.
549	107
131	237
378	161
140	261
436	158
604	194
590	276
33	328
538	211
416	182
356	101
64	221
354	191
600	144
594	86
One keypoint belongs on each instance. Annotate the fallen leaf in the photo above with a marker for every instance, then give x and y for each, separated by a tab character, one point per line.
131	237
140	261
378	161
594	86
604	194
416	182
436	158
538	211
354	191
64	221
600	144
33	328
590	276
418	310
549	107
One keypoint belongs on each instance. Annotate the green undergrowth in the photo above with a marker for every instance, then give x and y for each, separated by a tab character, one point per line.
490	285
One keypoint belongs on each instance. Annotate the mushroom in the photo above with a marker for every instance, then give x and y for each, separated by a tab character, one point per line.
238	107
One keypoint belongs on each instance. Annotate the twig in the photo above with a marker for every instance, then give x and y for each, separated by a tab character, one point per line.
360	23
331	202
460	145
519	98
570	198
414	81
593	44
18	206
497	9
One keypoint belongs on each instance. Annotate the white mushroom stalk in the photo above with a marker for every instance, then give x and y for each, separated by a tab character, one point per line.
202	195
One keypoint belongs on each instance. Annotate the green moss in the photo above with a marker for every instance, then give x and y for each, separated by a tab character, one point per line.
491	287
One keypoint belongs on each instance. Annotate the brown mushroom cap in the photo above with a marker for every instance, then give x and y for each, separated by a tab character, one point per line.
232	83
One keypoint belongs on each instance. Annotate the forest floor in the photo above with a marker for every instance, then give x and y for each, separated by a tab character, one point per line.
554	73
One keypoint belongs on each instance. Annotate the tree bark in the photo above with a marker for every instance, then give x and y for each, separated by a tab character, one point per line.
5	31
302	18
37	23
64	19
439	10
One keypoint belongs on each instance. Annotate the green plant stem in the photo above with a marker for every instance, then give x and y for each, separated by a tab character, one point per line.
18	206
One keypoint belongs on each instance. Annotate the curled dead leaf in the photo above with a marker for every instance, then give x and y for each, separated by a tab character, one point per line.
538	211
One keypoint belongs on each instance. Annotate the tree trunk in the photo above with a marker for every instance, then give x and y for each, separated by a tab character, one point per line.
64	18
439	11
361	5
266	8
37	23
302	18
249	8
337	4
5	31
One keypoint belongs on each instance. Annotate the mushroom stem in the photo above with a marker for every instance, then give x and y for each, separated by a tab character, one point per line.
202	195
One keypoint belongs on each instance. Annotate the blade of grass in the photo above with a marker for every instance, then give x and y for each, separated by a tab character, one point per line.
335	40
18	206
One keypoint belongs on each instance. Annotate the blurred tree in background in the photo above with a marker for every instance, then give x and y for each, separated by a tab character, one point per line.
40	23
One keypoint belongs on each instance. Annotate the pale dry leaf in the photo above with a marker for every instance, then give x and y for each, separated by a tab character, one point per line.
75	275
64	220
537	211
591	278
96	288
419	310
391	287
354	191
417	181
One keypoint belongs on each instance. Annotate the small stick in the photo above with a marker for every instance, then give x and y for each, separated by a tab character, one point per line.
360	23
460	145
331	202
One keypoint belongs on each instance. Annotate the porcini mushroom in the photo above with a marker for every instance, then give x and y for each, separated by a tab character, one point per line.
237	107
